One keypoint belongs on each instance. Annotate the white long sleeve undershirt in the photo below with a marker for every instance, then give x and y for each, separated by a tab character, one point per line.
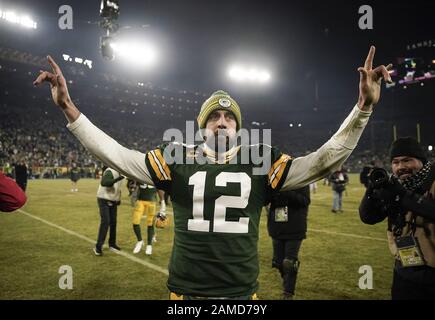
303	170
331	155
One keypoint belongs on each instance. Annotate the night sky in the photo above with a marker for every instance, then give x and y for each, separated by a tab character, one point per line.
303	43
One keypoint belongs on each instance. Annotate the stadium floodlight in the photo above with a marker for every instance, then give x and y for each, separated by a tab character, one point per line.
430	148
249	74
106	47
22	20
135	52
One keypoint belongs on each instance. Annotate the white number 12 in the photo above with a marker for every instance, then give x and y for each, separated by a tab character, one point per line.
222	203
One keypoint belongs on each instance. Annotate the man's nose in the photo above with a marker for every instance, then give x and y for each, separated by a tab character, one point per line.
222	122
401	165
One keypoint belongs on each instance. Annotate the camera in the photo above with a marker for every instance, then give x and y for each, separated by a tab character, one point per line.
379	178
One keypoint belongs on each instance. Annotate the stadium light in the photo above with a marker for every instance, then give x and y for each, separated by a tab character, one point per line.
248	74
21	19
106	47
430	148
135	52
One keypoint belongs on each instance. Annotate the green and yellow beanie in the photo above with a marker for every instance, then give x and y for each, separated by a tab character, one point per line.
219	100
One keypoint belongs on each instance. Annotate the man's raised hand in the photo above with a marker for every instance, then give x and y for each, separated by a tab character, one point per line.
59	89
370	82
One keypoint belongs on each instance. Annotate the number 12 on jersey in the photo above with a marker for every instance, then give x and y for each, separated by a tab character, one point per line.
221	204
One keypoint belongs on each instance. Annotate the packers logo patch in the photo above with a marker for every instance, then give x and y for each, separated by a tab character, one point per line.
224	102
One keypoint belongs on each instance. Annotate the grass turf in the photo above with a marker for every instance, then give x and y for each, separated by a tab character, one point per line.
32	251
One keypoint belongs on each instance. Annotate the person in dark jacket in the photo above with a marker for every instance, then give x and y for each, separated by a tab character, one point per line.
338	180
364	174
21	175
287	225
407	201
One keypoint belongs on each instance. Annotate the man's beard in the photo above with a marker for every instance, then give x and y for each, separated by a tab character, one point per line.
408	172
220	143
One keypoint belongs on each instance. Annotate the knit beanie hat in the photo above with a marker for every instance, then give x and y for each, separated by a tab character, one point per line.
407	147
219	100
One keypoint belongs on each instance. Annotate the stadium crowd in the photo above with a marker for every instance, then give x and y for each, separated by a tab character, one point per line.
122	108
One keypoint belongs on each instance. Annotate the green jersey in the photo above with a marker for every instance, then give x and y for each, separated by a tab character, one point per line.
146	193
217	210
74	174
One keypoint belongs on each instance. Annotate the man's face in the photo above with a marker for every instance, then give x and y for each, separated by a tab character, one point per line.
221	129
404	167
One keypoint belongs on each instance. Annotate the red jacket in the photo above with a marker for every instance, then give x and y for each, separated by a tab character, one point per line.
11	195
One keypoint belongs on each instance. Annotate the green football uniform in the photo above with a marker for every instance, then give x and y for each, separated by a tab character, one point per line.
217	210
146	193
74	174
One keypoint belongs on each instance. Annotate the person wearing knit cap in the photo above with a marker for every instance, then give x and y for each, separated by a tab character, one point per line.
407	202
217	204
409	147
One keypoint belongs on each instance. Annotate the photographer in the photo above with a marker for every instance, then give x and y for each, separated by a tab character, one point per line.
407	200
338	179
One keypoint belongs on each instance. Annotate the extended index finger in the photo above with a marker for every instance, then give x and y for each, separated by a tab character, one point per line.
369	61
54	66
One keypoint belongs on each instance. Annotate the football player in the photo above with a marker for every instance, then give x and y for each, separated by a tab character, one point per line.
74	177
217	205
146	204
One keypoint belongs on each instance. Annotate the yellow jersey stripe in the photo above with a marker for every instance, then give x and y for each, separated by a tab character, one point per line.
159	165
278	171
162	162
155	167
275	165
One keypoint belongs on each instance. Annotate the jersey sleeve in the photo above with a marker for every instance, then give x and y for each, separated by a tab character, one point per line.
158	167
280	165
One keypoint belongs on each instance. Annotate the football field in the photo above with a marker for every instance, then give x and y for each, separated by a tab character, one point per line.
58	228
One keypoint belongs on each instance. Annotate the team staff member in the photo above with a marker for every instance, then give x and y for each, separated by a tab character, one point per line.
287	225
108	198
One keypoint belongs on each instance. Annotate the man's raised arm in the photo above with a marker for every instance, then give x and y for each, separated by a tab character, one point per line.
330	156
128	162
